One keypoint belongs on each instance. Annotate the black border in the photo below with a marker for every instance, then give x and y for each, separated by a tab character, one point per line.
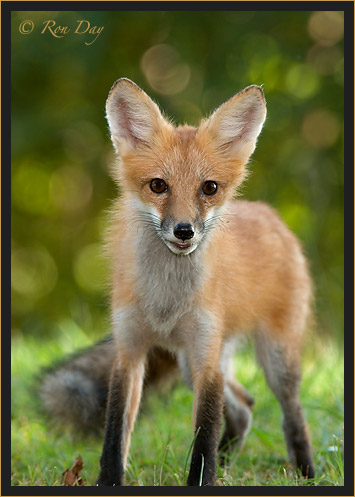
210	6
349	244
6	8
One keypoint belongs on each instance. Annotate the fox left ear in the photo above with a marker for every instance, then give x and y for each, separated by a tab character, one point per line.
236	124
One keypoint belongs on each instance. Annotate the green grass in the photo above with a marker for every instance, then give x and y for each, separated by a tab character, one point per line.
163	433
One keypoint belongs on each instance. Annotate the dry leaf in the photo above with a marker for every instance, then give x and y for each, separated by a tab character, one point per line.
72	476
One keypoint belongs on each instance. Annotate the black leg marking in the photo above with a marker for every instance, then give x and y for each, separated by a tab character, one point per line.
297	440
208	422
112	471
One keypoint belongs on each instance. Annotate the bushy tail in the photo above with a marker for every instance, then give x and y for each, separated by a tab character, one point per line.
74	392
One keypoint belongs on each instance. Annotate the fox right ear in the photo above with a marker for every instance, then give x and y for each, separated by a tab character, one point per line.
132	116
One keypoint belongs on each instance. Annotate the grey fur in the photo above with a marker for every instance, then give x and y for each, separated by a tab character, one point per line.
74	392
71	396
166	281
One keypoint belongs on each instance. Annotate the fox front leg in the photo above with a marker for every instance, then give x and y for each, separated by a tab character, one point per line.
123	402
208	386
209	411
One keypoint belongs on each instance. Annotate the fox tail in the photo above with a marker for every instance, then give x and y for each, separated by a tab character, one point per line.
74	391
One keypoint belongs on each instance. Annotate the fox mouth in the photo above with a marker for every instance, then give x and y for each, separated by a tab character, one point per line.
182	245
180	248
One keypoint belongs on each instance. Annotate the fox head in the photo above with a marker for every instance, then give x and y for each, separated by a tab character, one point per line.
180	178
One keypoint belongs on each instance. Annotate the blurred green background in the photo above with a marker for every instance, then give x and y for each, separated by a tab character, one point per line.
190	62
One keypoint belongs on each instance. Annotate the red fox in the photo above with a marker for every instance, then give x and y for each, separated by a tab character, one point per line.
191	269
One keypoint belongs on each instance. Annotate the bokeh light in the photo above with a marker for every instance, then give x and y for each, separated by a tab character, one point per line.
326	28
302	81
29	190
33	272
165	71
325	60
70	188
89	268
321	128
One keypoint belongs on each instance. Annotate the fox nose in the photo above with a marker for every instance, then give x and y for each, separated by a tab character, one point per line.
184	231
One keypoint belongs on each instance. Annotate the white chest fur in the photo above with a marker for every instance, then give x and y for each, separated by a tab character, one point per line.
167	283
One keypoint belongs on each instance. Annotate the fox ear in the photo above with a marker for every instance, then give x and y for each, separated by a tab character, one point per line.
236	124
132	116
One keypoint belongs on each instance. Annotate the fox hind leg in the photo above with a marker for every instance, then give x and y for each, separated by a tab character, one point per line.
281	364
238	405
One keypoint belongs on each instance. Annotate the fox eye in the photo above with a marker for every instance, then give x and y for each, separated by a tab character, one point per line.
158	185
209	187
